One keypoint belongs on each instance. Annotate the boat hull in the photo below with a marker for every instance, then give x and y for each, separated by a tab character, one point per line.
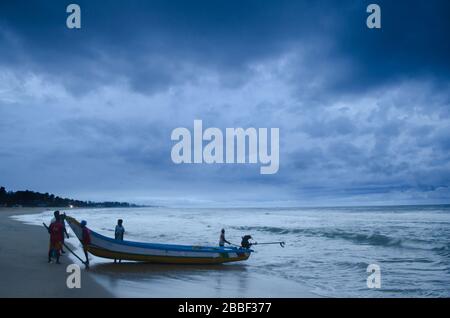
165	259
109	248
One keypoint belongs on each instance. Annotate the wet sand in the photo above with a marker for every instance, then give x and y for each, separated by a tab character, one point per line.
194	281
23	264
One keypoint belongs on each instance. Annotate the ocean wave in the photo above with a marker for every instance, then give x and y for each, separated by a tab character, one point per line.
373	238
270	229
369	238
443	250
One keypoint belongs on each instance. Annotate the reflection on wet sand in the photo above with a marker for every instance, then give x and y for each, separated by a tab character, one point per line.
148	269
166	280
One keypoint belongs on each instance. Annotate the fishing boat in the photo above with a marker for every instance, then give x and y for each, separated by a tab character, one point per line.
110	248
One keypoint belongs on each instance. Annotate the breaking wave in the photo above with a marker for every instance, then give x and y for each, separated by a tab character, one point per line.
374	238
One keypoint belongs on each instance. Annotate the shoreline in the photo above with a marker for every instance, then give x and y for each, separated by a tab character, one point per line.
24	268
129	279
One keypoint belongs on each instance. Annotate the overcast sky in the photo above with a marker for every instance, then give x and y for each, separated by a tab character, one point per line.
364	115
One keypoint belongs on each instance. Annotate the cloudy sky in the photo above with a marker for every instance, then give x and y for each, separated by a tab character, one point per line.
364	115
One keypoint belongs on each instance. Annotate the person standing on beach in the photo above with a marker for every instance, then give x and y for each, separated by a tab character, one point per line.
222	239
85	239
56	236
118	233
57	215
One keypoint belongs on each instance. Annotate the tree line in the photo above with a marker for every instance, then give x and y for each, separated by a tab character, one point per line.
36	199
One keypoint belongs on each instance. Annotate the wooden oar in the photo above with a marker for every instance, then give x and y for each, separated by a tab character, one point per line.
70	250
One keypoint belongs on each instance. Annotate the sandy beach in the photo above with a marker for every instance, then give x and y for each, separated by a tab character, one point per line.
23	264
36	278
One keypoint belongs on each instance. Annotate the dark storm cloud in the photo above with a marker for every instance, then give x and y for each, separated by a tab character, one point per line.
149	41
360	111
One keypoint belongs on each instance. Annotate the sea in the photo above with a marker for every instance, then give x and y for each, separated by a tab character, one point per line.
328	252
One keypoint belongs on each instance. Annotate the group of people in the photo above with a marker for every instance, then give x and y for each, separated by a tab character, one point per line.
58	232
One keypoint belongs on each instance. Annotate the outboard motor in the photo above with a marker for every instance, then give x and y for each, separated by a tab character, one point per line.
245	241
